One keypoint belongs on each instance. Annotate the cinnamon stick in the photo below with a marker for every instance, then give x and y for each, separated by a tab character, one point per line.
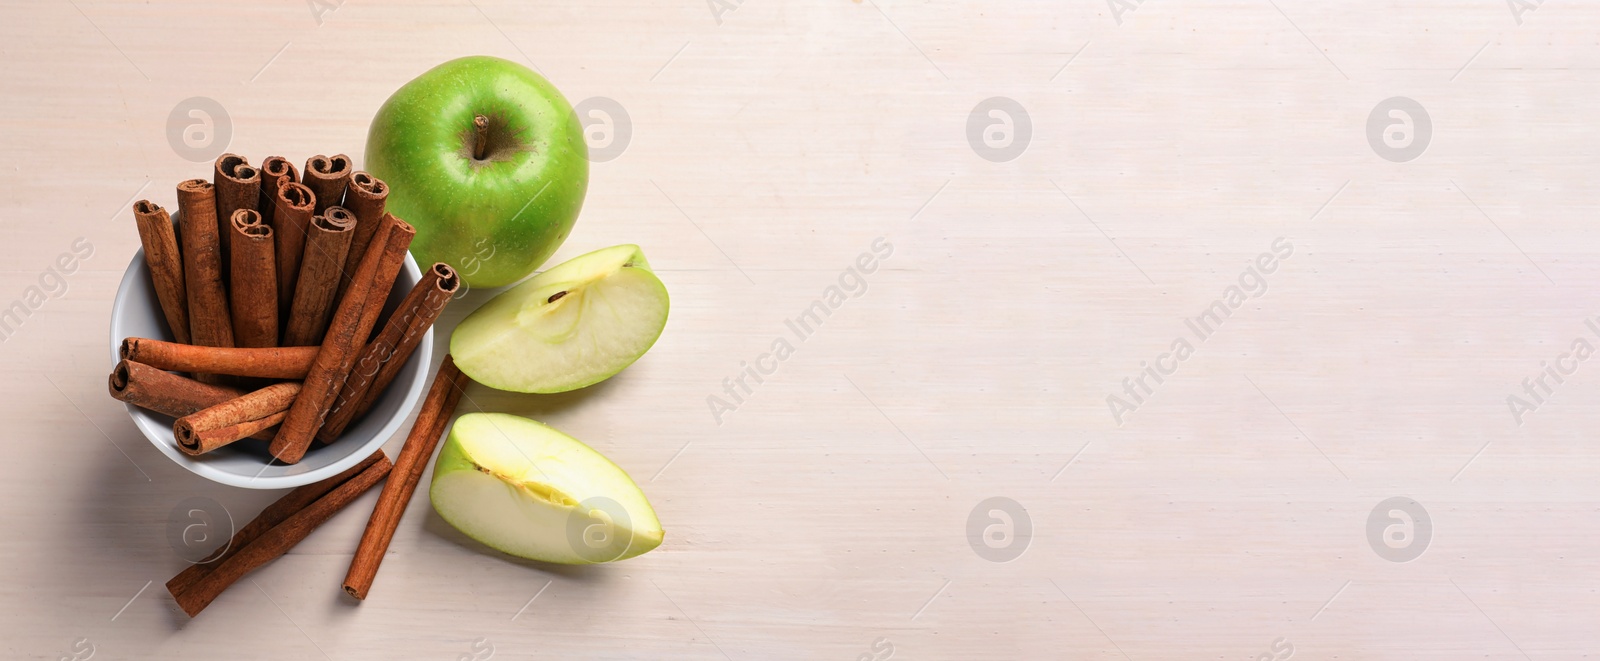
275	171
149	387
327	176
165	262
351	326
209	324
211	428
254	285
272	515
365	198
408	467
238	186
278	539
293	208
320	268
267	363
383	357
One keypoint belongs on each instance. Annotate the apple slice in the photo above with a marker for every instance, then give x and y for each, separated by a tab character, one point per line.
524	488
572	326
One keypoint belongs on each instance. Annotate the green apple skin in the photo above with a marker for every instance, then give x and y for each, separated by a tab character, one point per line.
526	489
498	218
574	325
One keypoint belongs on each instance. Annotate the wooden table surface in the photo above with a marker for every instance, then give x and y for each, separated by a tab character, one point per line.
968	458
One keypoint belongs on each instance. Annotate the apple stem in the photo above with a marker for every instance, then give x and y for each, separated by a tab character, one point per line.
480	133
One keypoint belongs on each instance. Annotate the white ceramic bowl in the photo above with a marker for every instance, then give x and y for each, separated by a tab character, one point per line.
137	313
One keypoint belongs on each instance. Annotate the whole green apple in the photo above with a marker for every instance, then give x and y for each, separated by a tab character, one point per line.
487	160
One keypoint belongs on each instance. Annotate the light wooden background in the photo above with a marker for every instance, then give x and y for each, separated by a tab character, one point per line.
827	517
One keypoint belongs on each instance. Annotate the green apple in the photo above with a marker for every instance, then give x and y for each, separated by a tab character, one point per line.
487	160
524	488
569	327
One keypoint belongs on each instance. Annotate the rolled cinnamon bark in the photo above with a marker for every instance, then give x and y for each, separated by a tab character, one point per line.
408	467
166	393
351	325
293	211
327	176
171	395
383	357
274	514
238	186
279	538
255	281
209	324
365	198
268	363
275	171
320	270
162	256
206	430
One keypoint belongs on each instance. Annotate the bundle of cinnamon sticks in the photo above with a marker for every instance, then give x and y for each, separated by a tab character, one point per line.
272	284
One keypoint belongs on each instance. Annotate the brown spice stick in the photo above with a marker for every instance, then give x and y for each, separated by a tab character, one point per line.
169	394
293	210
275	171
320	270
267	363
272	515
383	357
327	176
408	467
161	255
206	430
238	186
351	326
203	441
365	198
254	285
278	539
166	393
394	238
209	324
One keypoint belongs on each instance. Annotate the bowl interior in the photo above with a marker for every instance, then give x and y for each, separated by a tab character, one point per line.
137	313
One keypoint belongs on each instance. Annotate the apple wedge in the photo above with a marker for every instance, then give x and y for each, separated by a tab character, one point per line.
572	326
524	488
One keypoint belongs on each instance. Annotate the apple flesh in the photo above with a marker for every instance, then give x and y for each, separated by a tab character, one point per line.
523	488
572	326
487	160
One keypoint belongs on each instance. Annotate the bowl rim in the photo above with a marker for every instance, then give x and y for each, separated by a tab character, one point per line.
161	438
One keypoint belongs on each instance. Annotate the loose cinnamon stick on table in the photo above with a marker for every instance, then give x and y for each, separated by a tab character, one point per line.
162	256
238	187
365	198
383	357
209	324
274	514
327	176
320	270
166	393
275	171
266	363
408	467
254	285
351	326
278	539
206	430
